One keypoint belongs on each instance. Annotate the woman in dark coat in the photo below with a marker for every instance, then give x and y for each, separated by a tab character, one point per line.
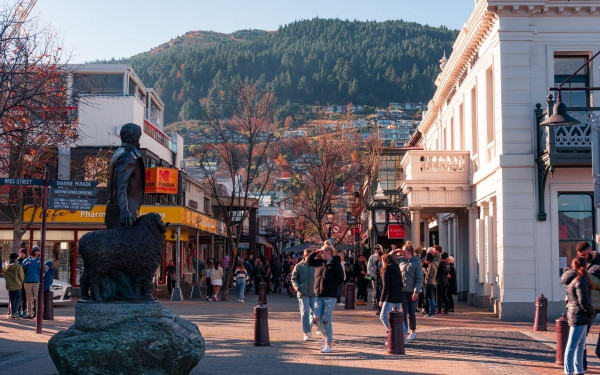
453	287
391	288
580	311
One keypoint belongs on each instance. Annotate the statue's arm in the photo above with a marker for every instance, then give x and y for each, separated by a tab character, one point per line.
124	167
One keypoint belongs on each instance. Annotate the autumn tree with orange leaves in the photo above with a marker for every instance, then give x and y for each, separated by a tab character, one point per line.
237	156
36	117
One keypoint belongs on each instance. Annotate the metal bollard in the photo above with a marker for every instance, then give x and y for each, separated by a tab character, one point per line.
262	293
48	305
562	335
541	314
395	344
261	326
349	300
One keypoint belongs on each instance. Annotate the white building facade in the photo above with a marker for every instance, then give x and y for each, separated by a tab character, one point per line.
508	198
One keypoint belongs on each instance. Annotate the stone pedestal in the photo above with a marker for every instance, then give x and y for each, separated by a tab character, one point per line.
126	338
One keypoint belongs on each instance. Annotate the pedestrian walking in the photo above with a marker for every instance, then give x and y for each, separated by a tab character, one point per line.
391	291
23	307
303	280
250	270
339	291
257	274
209	288
443	284
453	284
360	272
276	270
579	313
412	277
31	267
430	271
241	277
14	277
372	268
592	259
328	276
217	280
171	274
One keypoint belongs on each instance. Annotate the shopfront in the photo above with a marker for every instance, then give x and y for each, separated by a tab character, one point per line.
64	229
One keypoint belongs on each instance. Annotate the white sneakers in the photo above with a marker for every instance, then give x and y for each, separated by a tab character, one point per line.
327	349
319	332
341	304
324	344
307	336
411	337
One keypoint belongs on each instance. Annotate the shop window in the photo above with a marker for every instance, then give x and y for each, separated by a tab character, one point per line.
576	223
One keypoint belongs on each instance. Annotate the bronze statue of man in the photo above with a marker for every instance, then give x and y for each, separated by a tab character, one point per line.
126	182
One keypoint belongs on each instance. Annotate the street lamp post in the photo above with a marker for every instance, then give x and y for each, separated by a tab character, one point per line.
330	216
379	208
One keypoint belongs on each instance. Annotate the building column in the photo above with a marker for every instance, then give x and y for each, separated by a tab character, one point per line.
442	227
176	292
415	226
471	254
425	234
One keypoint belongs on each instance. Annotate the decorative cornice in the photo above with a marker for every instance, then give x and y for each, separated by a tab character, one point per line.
558	7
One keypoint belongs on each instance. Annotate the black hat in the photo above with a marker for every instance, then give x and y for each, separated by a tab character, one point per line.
13	256
34	249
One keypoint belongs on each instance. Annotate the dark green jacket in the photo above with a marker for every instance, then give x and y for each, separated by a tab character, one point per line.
303	279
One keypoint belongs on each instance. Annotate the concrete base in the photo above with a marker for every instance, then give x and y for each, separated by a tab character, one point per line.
470	298
525	311
481	301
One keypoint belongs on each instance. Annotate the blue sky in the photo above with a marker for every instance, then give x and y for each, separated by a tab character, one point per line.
101	29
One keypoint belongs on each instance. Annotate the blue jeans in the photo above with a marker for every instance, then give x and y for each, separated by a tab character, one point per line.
240	287
15	300
324	312
430	293
307	305
386	307
276	284
574	350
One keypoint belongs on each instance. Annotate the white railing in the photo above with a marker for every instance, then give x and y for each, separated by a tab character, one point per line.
437	166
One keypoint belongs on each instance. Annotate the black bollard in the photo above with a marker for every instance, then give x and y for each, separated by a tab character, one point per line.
541	314
349	300
49	305
261	326
395	344
562	335
262	293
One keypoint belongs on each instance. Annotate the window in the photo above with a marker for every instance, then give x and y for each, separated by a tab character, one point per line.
575	224
474	133
97	84
389	172
461	127
564	66
489	89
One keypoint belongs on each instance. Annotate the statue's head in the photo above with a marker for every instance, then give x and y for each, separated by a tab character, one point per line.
131	133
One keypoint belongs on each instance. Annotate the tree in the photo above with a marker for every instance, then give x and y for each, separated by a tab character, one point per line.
241	147
36	117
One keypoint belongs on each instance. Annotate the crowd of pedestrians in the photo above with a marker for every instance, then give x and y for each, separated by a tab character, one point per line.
22	280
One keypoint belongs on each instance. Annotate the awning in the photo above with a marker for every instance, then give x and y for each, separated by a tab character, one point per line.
300	247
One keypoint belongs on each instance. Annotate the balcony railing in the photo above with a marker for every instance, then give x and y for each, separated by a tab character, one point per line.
567	144
437	166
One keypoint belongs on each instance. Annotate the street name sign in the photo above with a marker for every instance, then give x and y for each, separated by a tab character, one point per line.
73	204
22	181
73	184
74	192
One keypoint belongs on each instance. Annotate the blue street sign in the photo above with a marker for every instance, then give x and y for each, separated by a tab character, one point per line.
22	181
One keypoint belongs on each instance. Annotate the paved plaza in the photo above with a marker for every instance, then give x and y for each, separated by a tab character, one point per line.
469	341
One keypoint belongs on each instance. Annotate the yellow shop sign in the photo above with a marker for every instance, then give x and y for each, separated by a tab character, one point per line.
176	215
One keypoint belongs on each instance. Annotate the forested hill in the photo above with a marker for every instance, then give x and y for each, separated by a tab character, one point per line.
318	61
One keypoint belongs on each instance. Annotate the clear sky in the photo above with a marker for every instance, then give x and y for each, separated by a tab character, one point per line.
101	29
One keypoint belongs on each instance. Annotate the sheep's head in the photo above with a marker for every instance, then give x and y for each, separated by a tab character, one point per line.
155	219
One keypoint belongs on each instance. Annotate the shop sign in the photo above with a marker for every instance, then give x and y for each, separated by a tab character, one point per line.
161	180
171	235
175	215
395	231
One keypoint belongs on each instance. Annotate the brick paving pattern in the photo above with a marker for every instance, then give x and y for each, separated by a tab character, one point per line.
469	341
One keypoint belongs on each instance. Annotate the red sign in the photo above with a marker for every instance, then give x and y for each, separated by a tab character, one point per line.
396	231
161	180
356	230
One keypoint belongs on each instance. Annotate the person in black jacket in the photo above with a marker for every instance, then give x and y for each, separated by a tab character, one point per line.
579	313
328	276
452	284
391	290
359	272
443	284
